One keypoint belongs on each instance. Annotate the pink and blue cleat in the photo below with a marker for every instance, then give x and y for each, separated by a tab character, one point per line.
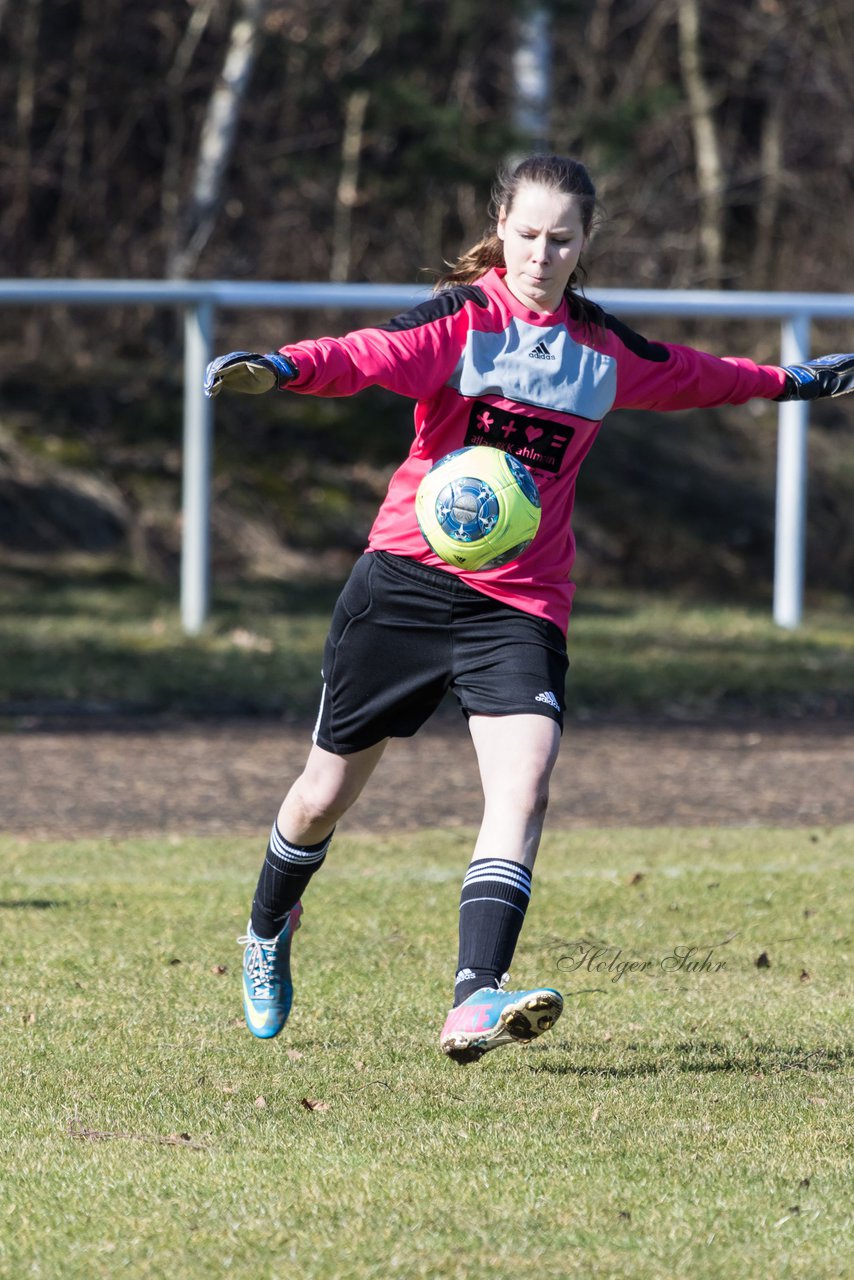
490	1018
267	988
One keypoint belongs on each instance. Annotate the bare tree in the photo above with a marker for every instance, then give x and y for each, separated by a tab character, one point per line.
707	151
532	60
347	191
18	199
217	137
170	196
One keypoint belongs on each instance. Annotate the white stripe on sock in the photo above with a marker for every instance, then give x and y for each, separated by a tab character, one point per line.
518	885
503	874
503	902
287	852
499	864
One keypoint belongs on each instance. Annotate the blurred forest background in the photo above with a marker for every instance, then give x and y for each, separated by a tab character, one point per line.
357	140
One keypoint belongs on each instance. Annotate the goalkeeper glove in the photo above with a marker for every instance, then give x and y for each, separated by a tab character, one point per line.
248	372
815	379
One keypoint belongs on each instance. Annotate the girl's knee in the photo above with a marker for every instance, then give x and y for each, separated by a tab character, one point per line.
323	795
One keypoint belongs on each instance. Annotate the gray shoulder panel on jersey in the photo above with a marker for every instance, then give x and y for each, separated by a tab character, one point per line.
545	368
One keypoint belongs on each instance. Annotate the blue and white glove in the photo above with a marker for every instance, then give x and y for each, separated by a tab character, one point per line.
815	379
248	372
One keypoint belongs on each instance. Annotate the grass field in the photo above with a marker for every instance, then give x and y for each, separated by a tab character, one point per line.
690	1116
98	639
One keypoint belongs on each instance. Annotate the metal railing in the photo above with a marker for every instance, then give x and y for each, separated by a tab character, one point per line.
200	299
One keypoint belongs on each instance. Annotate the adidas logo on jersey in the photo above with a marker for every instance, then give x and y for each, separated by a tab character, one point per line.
540	352
548	697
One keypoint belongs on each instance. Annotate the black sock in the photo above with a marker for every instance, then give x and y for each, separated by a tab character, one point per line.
286	871
493	902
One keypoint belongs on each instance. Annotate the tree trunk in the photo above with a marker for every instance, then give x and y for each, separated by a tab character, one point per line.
707	152
217	138
590	66
16	213
532	79
170	197
770	195
347	193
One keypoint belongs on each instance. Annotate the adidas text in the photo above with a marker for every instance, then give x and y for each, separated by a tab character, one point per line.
540	352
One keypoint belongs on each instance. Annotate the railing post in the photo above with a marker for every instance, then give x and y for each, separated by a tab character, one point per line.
198	420
790	529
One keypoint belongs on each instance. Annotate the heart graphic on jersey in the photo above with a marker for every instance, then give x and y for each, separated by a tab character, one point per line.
540	443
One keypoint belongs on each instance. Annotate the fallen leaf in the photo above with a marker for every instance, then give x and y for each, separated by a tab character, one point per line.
294	1055
175	960
762	961
29	1019
595	1115
219	968
805	977
818	1102
803	1184
312	1104
636	878
260	1101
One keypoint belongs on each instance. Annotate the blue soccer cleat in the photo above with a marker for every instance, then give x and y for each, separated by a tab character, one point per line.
267	988
489	1019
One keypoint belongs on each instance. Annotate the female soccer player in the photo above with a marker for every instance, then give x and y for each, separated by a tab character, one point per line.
506	353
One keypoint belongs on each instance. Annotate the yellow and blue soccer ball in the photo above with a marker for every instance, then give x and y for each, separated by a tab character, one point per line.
478	508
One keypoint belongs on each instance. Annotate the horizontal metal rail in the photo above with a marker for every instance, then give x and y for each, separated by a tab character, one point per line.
200	299
287	296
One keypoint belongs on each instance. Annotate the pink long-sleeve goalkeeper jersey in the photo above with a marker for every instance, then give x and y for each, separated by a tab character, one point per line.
483	369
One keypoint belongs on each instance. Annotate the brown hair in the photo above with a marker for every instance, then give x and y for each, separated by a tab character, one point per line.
558	173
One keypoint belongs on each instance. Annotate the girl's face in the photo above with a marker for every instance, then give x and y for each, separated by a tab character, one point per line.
543	237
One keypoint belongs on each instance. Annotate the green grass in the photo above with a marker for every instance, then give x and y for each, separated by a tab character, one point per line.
111	640
675	1123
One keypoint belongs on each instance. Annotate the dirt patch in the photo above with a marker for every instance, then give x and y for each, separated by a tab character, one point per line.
124	778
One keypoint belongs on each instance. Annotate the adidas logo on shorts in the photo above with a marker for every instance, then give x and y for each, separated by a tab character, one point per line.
548	697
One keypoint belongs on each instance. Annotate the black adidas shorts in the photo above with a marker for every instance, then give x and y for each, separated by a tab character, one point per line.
402	634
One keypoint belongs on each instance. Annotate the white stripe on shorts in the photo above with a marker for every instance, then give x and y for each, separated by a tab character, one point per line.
316	729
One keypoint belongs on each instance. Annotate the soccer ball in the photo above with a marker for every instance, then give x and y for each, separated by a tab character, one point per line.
478	508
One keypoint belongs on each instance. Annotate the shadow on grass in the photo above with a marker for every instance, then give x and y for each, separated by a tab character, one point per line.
30	904
708	1058
114	593
60	675
101	639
